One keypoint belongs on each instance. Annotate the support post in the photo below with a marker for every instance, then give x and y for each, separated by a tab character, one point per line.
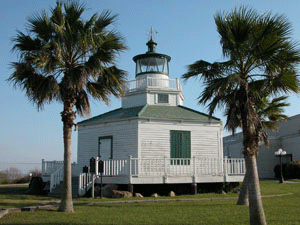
93	186
130	188
129	168
43	167
97	165
194	168
194	188
281	180
101	189
130	185
225	168
165	169
86	181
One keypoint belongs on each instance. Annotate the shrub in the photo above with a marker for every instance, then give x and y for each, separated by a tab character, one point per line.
290	170
37	186
3	178
22	180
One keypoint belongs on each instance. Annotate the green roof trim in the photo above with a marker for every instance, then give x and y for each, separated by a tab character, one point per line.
152	112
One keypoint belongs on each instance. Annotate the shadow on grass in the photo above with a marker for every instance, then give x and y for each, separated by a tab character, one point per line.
46	223
13	190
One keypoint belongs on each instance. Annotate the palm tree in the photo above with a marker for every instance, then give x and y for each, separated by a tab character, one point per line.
270	112
259	53
68	59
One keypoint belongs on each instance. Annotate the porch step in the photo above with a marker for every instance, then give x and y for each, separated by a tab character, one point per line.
58	190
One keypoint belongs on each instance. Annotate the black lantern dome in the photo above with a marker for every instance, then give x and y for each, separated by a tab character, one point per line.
152	62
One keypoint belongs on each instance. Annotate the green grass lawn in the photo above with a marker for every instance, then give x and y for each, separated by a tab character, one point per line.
16	197
279	210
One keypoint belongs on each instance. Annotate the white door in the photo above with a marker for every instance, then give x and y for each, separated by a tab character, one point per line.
105	148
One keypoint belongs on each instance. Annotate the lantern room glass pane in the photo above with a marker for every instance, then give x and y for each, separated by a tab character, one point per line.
152	65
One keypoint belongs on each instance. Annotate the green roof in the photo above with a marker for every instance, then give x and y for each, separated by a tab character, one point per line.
154	112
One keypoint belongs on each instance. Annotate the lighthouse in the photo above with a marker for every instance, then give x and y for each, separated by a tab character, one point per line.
152	139
153	85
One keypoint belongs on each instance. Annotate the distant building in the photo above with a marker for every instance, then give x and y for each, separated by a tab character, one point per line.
287	137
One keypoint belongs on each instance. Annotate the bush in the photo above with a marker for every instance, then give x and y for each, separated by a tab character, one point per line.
3	178
13	175
37	186
290	170
22	180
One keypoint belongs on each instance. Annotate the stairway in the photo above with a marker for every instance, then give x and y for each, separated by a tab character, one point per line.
58	190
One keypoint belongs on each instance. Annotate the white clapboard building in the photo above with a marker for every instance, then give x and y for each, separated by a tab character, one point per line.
286	138
153	138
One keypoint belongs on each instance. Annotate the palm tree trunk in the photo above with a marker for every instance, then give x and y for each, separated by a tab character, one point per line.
244	194
68	117
257	215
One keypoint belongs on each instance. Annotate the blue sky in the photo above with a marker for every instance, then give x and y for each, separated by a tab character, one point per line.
186	32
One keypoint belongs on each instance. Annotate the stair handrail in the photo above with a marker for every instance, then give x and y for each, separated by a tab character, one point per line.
56	178
85	183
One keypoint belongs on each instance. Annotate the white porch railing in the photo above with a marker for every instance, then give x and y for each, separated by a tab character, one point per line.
115	167
56	178
174	167
49	167
179	167
150	82
85	183
163	167
53	171
234	166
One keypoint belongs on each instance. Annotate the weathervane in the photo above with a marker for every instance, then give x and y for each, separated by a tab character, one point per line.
152	34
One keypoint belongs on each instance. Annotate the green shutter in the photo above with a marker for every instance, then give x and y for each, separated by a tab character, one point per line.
186	144
180	144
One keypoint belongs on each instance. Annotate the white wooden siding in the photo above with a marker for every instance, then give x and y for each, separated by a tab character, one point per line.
152	99
124	140
154	139
286	137
134	100
289	127
172	100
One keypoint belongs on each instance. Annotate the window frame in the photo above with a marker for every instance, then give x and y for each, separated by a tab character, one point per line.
111	145
163	98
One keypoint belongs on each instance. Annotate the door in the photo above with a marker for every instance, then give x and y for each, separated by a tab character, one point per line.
105	150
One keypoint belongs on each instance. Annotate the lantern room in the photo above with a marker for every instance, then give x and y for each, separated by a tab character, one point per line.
152	62
153	85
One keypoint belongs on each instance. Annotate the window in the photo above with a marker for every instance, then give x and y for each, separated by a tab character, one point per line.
163	98
180	147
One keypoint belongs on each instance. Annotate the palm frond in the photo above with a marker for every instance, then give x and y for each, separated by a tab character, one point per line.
82	103
109	82
207	70
104	20
260	63
74	57
39	89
